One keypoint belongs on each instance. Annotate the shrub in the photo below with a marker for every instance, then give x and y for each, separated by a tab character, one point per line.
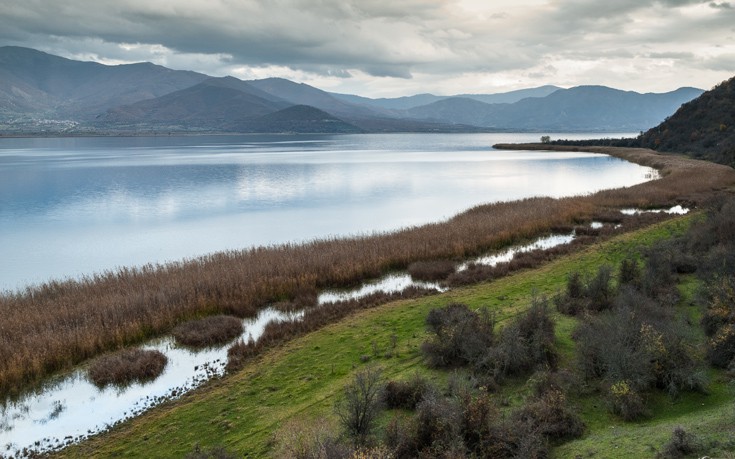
658	274
126	366
434	270
400	437
437	425
599	290
550	415
721	347
407	394
680	445
359	408
625	401
594	295
478	419
629	273
524	344
720	298
210	331
461	335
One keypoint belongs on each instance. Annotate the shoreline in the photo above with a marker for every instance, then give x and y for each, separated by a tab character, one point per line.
113	310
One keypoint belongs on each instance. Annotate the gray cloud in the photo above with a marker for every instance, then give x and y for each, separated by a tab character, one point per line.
422	40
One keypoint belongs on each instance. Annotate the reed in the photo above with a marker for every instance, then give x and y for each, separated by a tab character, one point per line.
126	366
58	324
209	331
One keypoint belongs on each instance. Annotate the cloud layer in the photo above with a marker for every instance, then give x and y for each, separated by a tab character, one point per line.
384	47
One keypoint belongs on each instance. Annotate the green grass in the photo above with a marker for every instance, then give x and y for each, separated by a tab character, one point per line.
303	378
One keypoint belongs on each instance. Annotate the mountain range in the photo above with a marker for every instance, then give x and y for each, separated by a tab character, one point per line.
38	90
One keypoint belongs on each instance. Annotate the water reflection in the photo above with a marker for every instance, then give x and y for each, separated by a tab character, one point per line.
70	207
506	256
72	408
676	210
392	283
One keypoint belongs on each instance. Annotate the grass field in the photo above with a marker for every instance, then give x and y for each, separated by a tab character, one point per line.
303	378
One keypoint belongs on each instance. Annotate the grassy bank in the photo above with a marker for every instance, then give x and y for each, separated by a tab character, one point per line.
303	378
55	326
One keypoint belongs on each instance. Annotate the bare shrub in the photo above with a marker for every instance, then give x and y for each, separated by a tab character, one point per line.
562	380
438	426
629	273
523	345
719	297
681	444
407	394
127	366
659	281
721	347
595	294
625	401
550	415
479	420
209	331
599	290
359	408
433	270
461	335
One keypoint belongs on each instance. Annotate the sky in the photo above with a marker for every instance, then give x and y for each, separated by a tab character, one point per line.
390	48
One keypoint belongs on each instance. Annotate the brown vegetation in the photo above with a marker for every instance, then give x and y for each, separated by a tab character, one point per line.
126	366
209	331
58	324
431	270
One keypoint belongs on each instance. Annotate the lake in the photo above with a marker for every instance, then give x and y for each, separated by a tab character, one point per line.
75	206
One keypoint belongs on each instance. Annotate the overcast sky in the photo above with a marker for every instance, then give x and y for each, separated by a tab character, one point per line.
385	48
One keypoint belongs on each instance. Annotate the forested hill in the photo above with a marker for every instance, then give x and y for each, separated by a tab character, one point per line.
702	128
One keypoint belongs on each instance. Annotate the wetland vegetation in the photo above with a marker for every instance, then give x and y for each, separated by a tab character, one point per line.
125	307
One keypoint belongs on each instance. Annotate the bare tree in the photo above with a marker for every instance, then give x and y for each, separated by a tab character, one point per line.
361	404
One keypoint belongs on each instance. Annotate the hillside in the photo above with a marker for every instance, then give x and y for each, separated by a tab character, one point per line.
211	104
39	84
702	128
298	118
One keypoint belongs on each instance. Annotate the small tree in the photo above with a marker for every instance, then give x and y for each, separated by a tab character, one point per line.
545	139
361	404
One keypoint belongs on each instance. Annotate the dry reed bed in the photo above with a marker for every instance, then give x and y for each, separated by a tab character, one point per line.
56	325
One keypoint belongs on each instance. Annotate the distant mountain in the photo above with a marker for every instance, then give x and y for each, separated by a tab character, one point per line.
702	128
212	104
36	83
408	102
366	118
303	94
42	93
397	103
298	118
512	97
583	108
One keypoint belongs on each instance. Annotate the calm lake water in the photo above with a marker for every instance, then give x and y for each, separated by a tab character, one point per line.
72	207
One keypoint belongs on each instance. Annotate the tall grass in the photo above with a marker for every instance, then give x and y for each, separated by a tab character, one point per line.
52	326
